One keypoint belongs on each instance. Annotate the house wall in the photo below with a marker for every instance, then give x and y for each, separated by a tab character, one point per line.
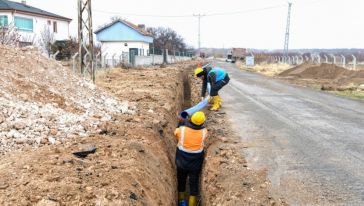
108	49
39	24
121	32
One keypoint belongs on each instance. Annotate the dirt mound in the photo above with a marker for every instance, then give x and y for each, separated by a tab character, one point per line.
296	70
326	74
324	71
311	71
41	102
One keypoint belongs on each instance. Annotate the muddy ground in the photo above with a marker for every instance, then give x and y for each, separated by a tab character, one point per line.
134	160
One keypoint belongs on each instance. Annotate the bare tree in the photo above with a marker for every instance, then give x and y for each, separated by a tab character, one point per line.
46	39
167	38
9	35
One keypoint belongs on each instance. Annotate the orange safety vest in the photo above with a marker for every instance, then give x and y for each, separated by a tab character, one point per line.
190	140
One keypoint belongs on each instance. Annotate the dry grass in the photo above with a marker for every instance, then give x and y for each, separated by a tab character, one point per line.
266	69
351	94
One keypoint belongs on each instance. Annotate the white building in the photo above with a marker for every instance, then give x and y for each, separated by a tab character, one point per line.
31	22
122	37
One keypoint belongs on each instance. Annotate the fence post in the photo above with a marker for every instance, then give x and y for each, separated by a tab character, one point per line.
354	62
326	59
121	59
319	59
343	60
113	60
333	56
153	56
104	60
74	62
96	59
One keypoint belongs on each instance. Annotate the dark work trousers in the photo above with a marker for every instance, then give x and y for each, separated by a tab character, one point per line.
218	85
194	180
189	165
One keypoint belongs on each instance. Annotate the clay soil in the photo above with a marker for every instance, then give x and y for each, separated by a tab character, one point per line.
134	159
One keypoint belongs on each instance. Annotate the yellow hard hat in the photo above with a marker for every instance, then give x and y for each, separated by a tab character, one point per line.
198	118
198	71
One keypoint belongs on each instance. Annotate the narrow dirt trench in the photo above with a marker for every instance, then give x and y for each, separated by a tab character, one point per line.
134	160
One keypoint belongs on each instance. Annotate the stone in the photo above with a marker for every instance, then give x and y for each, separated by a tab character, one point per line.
19	125
52	140
53	132
361	87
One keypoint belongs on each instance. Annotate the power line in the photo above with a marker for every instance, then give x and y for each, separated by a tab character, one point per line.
244	11
189	16
208	15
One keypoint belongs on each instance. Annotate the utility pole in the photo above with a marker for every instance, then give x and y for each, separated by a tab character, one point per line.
86	39
286	39
199	30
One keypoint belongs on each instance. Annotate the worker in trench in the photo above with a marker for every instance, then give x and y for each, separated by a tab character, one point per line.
217	78
191	136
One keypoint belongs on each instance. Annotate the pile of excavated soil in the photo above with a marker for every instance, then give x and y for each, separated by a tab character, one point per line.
134	160
42	102
296	70
328	75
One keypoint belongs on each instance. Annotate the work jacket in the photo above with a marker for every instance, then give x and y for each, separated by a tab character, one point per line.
191	138
212	75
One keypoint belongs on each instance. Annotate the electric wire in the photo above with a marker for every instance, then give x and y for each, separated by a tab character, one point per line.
210	14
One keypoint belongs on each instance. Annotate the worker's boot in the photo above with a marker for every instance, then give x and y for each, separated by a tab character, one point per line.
181	199
192	201
219	99
216	104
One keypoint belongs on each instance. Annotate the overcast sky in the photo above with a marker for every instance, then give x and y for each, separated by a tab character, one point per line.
256	24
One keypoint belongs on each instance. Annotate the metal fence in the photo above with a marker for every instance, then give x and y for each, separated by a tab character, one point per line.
132	59
348	62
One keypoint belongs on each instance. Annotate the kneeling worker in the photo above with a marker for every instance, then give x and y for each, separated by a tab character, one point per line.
190	156
218	78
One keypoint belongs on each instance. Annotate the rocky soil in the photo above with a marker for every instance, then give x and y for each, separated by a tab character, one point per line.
134	160
42	102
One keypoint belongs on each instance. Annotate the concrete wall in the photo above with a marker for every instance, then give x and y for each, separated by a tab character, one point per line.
158	59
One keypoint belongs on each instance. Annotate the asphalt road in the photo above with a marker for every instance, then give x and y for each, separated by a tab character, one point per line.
310	142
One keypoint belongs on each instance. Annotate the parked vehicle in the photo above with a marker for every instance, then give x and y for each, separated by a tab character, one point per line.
238	54
229	58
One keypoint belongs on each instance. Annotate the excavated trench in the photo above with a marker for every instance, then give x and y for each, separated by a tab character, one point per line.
135	159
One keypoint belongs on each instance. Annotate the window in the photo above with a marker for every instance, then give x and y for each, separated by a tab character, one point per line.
55	27
3	21
23	23
49	22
